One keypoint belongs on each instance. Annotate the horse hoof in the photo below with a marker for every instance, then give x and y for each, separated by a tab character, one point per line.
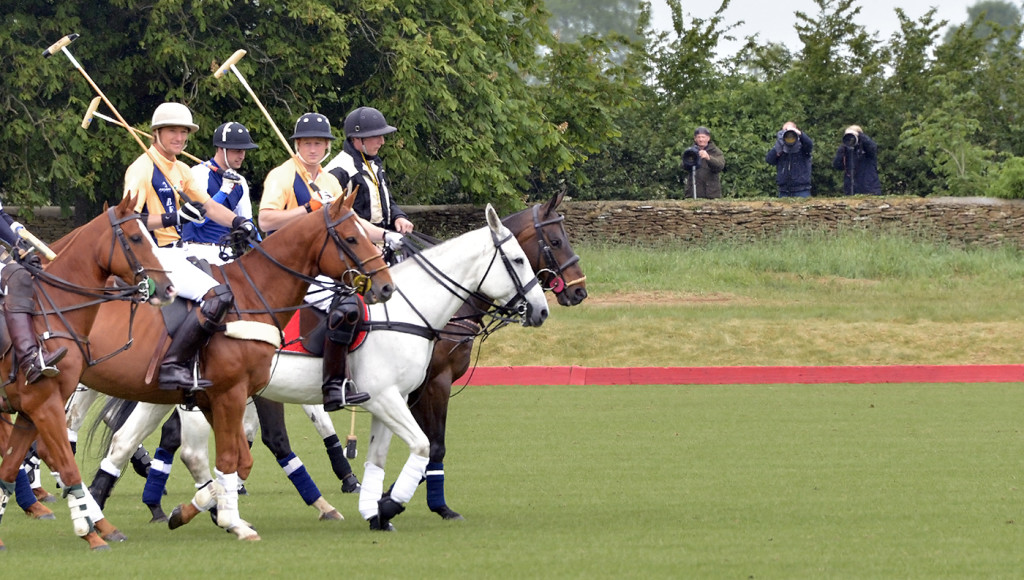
375	525
116	536
43	495
350	484
242	490
100	548
40	512
333	515
176	520
448	513
158	514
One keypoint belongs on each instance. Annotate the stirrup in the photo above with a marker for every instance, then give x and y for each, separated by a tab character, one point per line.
49	368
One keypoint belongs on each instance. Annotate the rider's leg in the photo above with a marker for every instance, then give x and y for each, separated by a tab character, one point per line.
34	361
338	389
175	371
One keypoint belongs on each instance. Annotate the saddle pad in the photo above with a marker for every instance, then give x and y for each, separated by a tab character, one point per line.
293	333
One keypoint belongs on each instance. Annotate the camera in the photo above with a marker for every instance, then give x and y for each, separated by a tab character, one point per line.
850	139
691	158
789	137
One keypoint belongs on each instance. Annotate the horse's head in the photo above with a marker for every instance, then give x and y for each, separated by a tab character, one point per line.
541	232
357	261
516	282
131	253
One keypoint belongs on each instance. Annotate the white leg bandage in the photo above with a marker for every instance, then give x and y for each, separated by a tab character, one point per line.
410	478
206	496
227	501
78	505
372	489
108	466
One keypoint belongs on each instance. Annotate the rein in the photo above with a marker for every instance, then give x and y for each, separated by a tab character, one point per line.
553	267
134	294
361	275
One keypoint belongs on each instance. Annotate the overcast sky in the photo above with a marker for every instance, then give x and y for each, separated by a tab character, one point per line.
774	21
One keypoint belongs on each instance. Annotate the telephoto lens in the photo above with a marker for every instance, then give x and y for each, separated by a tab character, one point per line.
850	139
691	158
789	137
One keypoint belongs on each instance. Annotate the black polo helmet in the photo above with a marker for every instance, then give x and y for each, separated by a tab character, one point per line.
232	135
367	122
311	126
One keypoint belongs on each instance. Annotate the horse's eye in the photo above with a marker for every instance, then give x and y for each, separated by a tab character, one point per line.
351	240
519	261
556	243
136	238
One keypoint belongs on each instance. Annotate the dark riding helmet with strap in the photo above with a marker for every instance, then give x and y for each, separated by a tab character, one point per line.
313	126
232	135
367	122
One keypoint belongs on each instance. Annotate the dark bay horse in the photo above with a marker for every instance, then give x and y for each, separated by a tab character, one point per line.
69	293
541	232
269	284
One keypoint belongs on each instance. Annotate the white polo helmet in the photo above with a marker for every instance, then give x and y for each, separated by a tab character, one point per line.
173	115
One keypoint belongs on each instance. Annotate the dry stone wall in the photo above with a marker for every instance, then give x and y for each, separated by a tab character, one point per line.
961	221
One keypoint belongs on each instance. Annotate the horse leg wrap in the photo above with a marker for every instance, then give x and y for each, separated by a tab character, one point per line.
156	477
373	488
23	490
6	491
79	507
297	474
227	500
336	453
435	486
410	478
206	496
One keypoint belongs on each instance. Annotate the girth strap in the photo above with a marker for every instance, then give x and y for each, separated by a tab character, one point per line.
406	327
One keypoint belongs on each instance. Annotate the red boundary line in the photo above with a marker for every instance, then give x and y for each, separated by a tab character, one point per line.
576	375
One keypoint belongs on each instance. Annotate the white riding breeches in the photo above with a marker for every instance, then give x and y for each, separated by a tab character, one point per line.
189	281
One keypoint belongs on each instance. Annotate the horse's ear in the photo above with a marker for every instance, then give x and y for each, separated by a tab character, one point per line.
556	201
126	206
493	221
350	200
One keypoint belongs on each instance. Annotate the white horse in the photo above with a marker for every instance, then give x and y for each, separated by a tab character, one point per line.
393	361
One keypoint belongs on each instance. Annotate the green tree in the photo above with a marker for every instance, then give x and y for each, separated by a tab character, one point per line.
993	19
466	85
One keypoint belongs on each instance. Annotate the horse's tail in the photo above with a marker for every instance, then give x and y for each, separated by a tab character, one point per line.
114	414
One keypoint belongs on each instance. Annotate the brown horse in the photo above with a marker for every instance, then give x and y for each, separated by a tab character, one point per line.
69	293
268	284
541	233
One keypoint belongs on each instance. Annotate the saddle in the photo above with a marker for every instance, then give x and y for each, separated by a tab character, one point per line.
307	332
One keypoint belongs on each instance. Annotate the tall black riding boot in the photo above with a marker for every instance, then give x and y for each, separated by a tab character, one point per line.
175	370
34	361
338	389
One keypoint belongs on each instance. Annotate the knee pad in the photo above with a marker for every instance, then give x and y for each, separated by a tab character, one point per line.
216	307
343	319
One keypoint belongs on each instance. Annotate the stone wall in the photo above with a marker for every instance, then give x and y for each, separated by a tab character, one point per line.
962	221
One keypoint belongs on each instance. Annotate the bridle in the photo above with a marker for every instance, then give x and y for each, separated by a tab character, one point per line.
136	294
552	267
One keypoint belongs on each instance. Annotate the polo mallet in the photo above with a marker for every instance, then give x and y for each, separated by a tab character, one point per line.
230	64
62	45
350	441
91	113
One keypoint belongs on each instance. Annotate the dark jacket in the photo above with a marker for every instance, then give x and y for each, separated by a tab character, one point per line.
708	174
860	166
792	164
350	170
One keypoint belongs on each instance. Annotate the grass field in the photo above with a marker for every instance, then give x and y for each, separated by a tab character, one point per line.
822	481
741	481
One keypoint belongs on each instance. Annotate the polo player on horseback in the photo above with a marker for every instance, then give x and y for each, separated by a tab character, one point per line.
287	196
16	285
169	197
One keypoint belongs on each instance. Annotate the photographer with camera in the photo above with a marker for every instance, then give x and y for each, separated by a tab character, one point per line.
857	157
702	163
791	157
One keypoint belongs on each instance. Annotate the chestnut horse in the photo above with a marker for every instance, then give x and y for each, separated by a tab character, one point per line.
69	293
268	284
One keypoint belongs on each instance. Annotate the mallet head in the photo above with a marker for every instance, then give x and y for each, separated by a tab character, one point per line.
230	62
87	119
59	45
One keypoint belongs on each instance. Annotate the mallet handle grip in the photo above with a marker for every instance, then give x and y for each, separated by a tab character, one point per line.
60	44
36	242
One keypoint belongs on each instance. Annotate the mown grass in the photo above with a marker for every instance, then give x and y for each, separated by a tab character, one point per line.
786	481
805	298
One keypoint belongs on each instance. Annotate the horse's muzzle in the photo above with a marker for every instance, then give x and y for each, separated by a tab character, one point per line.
535	317
378	294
